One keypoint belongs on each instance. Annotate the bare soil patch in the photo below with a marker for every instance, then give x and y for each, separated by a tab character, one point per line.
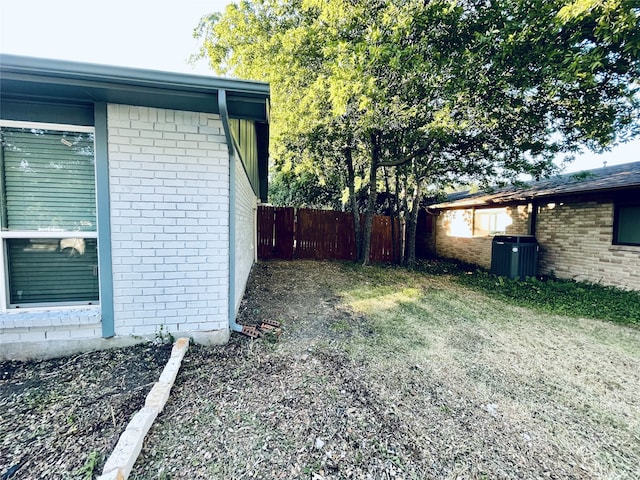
58	414
379	373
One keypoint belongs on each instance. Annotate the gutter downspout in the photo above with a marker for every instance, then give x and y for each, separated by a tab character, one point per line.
224	116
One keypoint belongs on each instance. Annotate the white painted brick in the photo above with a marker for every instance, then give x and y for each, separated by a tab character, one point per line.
141	125
8	335
33	335
58	334
174	209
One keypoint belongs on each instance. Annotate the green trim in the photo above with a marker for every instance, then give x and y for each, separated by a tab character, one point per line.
103	215
37	78
42	111
3	194
224	115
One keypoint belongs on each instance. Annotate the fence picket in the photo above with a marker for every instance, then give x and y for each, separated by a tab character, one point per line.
285	234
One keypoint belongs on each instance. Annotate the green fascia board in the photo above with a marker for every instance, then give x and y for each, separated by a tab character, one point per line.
33	78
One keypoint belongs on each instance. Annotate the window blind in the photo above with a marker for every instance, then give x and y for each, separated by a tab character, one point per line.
48	184
49	180
52	270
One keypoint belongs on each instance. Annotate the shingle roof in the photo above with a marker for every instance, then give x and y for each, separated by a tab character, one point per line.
605	179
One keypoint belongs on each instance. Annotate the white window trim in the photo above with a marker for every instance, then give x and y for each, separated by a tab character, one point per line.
6	234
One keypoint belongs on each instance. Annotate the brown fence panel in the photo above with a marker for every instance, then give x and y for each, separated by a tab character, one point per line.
384	248
284	232
309	233
324	234
276	227
266	232
345	244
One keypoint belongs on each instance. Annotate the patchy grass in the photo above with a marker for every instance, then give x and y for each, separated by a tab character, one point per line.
385	373
379	373
547	294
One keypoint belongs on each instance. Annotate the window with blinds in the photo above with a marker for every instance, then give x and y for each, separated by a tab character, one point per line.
48	215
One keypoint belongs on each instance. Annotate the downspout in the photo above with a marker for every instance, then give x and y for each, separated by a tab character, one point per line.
224	116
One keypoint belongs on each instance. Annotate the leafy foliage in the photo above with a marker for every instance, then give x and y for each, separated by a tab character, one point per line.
433	92
90	467
304	189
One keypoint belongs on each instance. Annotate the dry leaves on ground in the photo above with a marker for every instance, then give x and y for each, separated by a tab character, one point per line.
379	373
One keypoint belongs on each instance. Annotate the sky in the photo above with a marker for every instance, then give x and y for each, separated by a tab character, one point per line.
149	34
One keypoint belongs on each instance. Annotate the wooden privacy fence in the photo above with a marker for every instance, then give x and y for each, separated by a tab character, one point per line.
287	233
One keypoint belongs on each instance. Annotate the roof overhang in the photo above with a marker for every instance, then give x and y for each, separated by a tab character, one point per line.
36	79
489	201
616	180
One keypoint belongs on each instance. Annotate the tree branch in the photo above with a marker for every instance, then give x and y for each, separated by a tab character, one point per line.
403	160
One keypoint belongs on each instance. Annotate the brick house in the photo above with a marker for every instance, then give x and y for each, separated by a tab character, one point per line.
587	224
127	202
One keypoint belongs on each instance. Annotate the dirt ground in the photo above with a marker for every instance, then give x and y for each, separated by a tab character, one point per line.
379	374
57	414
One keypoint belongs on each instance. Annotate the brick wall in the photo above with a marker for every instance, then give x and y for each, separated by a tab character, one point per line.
520	217
576	242
46	325
246	234
169	191
477	250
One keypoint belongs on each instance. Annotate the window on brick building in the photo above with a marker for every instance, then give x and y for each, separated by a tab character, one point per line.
626	225
477	222
491	221
48	214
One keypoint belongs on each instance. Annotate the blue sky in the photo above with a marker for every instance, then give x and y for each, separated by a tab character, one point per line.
151	34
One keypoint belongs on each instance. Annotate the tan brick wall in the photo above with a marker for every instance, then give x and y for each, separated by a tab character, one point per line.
575	242
520	216
477	250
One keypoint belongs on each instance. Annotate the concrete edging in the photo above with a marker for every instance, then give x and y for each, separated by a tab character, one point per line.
119	465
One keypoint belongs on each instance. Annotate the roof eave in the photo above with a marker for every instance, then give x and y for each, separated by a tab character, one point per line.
470	203
93	72
36	77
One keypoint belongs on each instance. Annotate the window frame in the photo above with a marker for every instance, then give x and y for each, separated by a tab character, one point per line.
492	213
616	222
5	305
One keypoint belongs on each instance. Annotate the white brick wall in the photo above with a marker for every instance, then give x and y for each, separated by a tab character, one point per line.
169	186
37	325
246	234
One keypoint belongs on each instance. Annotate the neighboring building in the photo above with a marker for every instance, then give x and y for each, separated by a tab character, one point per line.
127	203
587	224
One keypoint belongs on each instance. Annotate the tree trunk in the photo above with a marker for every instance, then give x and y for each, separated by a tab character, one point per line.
353	201
404	209
392	214
413	224
371	201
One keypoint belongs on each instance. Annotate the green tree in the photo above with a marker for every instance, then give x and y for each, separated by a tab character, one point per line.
433	92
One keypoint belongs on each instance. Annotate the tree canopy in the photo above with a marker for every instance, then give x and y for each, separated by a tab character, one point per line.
431	92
